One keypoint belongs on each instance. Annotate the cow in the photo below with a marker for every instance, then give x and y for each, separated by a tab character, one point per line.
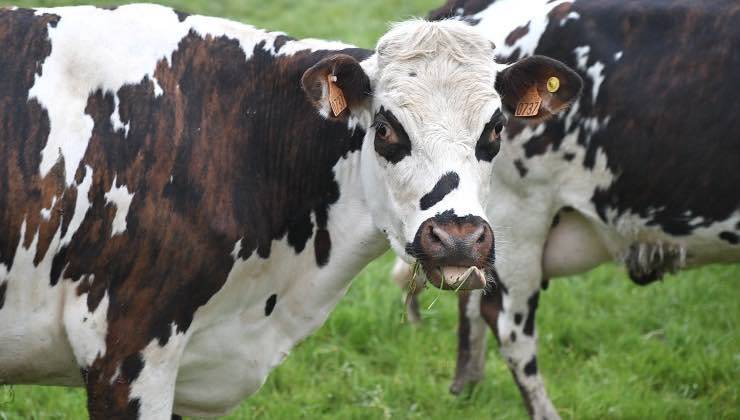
184	198
642	170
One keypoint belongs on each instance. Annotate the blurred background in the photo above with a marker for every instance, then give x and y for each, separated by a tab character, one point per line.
608	348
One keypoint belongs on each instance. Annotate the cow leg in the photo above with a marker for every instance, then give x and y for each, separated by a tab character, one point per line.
471	342
515	327
511	313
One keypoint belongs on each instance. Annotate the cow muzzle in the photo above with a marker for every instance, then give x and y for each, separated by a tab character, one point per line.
455	253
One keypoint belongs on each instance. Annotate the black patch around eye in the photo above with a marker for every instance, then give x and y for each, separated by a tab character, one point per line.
446	184
486	149
393	152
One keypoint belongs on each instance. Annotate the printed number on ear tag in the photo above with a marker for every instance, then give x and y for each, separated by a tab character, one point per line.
336	97
529	106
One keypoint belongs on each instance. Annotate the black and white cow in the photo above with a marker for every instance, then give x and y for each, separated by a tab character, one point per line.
175	215
644	169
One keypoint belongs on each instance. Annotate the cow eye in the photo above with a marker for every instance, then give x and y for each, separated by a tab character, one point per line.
489	143
383	131
498	128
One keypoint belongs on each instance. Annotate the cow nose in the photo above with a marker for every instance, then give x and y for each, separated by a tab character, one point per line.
459	241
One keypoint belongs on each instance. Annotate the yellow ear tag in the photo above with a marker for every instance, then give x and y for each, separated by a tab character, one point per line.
336	97
553	84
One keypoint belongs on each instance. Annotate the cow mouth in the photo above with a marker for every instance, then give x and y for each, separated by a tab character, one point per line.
456	277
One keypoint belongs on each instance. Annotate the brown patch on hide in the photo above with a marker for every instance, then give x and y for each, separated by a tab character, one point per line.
23	132
517	34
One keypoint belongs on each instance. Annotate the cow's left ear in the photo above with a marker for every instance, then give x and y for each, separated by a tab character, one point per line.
537	87
337	86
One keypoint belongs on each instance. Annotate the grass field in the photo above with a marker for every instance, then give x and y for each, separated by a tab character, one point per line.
608	349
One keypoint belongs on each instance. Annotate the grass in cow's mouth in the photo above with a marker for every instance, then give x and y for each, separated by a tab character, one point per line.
441	289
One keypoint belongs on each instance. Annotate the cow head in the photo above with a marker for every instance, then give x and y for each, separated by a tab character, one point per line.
434	103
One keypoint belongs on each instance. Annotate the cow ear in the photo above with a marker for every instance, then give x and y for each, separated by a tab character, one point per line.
337	86
537	87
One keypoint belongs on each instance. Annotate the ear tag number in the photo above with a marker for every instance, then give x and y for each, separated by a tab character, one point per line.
336	97
553	84
530	103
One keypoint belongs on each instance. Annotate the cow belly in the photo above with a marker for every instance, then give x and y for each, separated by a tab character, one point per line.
33	344
572	247
226	362
252	323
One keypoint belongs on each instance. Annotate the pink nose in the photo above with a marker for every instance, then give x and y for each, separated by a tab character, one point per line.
455	241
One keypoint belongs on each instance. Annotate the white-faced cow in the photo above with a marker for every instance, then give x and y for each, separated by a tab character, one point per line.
175	214
644	169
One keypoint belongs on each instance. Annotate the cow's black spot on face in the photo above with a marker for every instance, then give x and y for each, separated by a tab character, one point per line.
489	142
446	184
270	304
517	318
513	336
530	368
730	237
391	141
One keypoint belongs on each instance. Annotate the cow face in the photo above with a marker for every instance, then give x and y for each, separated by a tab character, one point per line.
433	103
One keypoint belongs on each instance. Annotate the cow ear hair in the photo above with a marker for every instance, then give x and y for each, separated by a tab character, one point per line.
546	80
336	86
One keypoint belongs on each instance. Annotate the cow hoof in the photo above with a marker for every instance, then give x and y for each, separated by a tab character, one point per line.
463	385
643	279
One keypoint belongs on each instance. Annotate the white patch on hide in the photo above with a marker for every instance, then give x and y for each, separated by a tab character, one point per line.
46	212
35	348
570	16
312	44
98	57
595	73
156	381
86	330
82	205
582	56
121	198
115	118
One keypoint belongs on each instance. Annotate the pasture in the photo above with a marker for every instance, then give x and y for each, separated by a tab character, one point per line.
608	348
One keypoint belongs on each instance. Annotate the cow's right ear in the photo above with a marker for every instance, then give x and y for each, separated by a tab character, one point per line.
337	86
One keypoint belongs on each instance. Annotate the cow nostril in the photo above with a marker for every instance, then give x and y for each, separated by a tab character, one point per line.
482	237
433	235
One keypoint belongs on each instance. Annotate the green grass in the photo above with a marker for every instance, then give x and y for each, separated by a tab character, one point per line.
608	349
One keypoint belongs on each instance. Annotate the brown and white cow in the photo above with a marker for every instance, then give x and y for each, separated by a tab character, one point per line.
642	170
175	215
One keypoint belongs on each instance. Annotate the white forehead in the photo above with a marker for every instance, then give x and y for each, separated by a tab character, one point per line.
439	75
